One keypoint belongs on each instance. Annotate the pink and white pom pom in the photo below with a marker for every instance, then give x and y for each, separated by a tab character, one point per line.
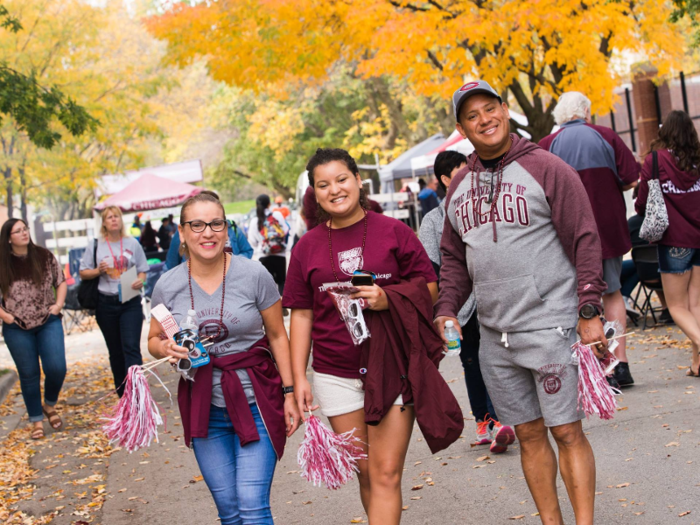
133	423
595	395
327	458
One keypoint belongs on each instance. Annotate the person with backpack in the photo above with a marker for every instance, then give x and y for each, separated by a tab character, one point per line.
267	235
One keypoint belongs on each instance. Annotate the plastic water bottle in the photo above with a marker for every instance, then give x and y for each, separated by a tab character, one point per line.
190	322
454	345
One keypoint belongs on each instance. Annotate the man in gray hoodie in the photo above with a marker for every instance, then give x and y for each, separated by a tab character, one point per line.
520	233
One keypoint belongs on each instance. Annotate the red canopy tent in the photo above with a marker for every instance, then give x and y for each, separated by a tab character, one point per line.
150	192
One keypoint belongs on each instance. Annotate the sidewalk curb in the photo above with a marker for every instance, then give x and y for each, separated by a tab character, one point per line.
7	381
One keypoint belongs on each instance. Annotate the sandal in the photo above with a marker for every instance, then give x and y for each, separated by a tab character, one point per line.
54	419
690	372
37	433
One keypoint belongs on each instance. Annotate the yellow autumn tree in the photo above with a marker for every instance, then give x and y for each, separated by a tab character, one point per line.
104	58
531	49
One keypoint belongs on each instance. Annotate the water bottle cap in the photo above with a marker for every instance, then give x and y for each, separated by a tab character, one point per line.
449	324
192	313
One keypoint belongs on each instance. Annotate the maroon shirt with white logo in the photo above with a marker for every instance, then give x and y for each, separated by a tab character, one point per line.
392	251
681	191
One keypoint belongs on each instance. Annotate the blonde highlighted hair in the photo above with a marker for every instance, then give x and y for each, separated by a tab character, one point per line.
105	212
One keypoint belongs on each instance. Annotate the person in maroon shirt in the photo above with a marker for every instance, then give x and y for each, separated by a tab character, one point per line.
350	238
678	155
607	169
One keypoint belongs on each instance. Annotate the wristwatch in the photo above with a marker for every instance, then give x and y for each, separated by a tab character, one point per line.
588	311
287	390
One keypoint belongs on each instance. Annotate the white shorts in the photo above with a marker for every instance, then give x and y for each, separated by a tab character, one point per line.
340	395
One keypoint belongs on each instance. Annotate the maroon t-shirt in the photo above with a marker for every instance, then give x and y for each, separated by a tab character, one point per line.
392	251
310	208
681	191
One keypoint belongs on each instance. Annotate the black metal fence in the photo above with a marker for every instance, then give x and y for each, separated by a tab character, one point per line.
682	92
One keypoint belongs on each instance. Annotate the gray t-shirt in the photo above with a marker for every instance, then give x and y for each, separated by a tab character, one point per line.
249	290
123	256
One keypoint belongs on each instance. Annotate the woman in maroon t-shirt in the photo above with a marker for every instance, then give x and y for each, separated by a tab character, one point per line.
678	154
350	238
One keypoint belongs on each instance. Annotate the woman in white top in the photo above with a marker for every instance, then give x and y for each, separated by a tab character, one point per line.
267	234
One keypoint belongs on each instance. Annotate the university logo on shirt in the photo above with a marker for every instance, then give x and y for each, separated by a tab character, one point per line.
350	260
472	208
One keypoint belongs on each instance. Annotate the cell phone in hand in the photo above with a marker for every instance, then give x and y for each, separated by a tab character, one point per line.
362	278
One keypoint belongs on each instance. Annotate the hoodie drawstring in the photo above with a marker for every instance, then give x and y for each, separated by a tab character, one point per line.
504	339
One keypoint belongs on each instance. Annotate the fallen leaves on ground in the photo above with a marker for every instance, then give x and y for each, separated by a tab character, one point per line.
22	460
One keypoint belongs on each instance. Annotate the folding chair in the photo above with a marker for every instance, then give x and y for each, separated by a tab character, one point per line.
74	315
646	261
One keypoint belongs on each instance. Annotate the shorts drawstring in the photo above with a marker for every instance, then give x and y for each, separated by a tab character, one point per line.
504	339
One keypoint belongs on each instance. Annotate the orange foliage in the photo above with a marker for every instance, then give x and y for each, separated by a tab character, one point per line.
536	49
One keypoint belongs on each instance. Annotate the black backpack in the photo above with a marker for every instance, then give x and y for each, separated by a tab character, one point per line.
88	293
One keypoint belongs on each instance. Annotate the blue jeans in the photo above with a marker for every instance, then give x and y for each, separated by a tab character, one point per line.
628	277
27	347
121	326
479	398
677	260
239	478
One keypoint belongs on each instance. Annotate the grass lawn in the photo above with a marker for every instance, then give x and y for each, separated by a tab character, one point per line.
3	371
242	207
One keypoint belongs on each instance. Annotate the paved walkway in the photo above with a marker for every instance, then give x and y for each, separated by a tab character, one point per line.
647	459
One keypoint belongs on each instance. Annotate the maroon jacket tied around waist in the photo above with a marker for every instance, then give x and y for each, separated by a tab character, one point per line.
194	398
402	357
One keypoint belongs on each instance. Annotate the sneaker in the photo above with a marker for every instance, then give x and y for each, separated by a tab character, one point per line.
612	381
483	433
665	317
503	435
622	374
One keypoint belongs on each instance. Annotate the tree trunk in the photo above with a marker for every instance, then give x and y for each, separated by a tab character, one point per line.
7	173
23	194
399	126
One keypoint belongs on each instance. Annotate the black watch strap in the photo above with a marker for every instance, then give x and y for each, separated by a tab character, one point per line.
588	311
287	390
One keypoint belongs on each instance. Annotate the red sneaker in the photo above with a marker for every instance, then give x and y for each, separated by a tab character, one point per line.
502	435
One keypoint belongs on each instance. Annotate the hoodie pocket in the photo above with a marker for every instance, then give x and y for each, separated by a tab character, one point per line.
508	305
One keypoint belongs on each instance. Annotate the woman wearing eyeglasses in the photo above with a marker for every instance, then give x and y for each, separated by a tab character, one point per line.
33	292
349	238
120	323
240	408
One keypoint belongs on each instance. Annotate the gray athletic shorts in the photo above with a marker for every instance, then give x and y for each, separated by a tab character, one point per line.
531	378
612	268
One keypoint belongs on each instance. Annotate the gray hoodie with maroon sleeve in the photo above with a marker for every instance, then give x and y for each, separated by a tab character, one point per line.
532	259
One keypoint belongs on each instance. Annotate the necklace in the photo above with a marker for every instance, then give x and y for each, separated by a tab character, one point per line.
223	296
330	245
118	264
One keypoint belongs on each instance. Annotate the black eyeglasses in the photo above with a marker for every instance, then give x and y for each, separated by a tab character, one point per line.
217	225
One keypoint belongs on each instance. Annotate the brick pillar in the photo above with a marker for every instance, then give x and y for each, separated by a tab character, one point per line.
644	99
